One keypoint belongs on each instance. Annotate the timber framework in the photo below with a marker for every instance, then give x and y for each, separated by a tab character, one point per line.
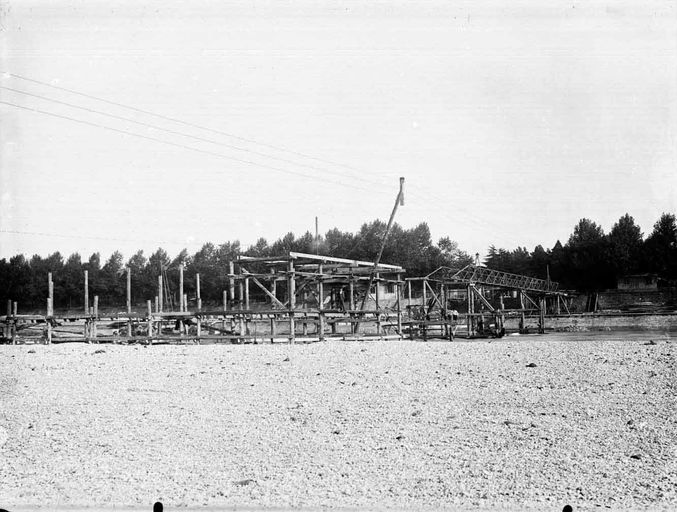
299	297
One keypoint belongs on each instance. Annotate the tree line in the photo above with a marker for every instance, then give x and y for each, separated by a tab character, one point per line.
590	260
25	280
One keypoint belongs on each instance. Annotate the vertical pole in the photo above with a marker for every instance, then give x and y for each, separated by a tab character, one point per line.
48	341
425	297
470	319
15	309
320	300
86	292
50	286
95	315
240	294
246	293
399	304
351	291
182	304
157	304
225	300
522	326
541	315
231	279
159	294
199	298
502	313
291	290
9	308
129	291
273	327
377	296
150	317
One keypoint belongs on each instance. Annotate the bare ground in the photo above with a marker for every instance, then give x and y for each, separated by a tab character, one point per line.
344	424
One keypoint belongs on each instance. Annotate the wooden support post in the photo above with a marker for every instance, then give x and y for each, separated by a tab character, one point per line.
157	304
86	292
129	291
240	294
502	327
182	304
15	308
9	308
522	325
399	305
470	319
377	301
184	298
351	290
273	328
320	305
231	279
95	315
225	300
541	316
199	298
150	318
50	287
48	341
246	293
159	294
409	295
273	291
291	290
199	328
50	306
425	298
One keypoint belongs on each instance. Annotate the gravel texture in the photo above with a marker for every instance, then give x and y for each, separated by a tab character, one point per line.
529	422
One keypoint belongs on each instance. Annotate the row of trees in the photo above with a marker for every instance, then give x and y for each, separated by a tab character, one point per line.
26	279
592	260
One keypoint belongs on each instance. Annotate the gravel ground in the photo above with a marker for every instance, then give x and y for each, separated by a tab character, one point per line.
407	425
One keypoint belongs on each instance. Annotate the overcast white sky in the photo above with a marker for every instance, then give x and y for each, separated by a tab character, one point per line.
509	120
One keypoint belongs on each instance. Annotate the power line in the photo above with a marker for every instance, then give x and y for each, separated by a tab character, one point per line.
220	155
473	219
185	123
174	132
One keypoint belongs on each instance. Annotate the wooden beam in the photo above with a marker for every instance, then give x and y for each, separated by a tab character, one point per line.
329	259
262	287
182	305
129	291
86	292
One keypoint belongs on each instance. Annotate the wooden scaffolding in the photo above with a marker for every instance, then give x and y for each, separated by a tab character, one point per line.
481	295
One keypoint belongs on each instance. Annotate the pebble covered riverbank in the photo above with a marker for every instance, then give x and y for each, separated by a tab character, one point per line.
528	422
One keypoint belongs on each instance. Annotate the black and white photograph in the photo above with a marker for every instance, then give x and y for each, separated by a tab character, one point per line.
276	255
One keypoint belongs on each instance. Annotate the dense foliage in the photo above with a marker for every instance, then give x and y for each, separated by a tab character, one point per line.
590	260
26	280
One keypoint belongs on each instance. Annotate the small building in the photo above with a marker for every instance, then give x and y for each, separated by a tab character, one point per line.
638	282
